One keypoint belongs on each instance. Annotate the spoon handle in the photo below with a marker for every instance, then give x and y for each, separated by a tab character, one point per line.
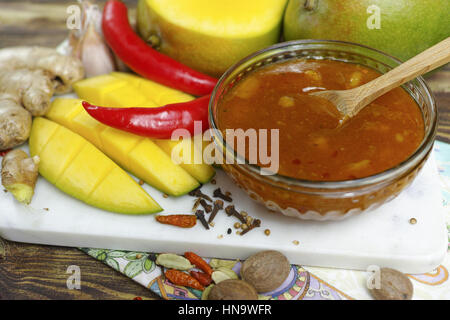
428	60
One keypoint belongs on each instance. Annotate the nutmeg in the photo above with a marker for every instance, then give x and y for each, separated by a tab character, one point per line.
232	290
266	270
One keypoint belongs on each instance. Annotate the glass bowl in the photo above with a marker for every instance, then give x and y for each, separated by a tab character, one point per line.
322	200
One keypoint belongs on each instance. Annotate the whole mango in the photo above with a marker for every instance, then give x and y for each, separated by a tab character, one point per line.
402	28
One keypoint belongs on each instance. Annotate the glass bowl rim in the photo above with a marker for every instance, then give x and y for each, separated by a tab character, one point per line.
419	154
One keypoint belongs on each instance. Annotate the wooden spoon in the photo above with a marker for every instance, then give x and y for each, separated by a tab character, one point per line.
350	102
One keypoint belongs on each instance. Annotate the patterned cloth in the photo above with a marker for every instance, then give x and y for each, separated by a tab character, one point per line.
303	283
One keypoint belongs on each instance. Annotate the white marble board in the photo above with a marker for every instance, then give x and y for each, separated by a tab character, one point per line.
383	237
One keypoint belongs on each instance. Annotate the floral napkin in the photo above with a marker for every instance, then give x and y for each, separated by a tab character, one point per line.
303	283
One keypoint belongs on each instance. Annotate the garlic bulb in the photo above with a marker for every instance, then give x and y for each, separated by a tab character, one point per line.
87	43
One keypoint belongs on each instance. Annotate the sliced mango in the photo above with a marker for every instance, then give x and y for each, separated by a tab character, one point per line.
154	91
210	36
200	171
126	96
163	95
79	169
156	95
138	155
94	89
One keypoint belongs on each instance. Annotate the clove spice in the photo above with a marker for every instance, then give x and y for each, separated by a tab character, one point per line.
218	194
218	205
201	216
256	223
196	204
197	193
208	208
231	211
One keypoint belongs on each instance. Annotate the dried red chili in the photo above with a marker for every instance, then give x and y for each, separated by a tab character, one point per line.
181	278
178	220
199	262
4	152
203	278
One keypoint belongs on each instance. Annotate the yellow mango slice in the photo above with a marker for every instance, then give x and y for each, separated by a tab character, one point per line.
126	96
79	169
94	89
128	77
159	94
200	171
136	154
156	95
163	95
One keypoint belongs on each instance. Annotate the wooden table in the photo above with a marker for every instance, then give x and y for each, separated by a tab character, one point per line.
39	272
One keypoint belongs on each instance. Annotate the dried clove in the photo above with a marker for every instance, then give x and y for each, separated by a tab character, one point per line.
197	193
256	223
231	211
208	208
201	216
218	194
218	205
196	204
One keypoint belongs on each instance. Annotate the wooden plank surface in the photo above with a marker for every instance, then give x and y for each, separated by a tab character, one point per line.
39	272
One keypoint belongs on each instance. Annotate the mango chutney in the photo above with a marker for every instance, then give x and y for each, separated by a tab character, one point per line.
312	146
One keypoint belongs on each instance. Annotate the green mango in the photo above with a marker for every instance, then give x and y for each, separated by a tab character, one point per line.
402	28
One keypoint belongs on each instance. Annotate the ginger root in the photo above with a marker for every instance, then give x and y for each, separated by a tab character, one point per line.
19	175
30	88
15	123
28	78
63	70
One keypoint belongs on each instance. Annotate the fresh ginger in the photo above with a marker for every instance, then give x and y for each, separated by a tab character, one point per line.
15	123
30	88
19	175
63	70
28	78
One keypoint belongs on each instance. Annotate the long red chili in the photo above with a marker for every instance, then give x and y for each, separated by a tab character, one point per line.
145	60
158	123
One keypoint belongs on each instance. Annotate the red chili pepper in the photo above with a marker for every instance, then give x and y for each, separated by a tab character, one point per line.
145	60
199	262
178	220
158	123
4	152
181	278
203	278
